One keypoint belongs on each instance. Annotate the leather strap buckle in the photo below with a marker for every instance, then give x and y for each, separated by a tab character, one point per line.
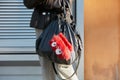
45	13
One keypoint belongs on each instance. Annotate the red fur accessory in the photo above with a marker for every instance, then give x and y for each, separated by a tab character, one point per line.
61	46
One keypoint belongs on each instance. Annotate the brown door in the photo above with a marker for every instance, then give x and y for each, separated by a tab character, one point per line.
102	37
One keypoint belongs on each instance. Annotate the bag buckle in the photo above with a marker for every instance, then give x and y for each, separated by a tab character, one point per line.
45	13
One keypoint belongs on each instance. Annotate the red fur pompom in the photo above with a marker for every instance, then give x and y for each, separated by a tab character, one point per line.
61	46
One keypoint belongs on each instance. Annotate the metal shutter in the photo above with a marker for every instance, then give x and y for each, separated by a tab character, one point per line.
15	34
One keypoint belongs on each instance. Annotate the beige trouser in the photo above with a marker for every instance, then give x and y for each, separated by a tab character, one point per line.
47	70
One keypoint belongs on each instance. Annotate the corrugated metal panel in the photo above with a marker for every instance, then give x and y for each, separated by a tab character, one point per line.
20	73
15	33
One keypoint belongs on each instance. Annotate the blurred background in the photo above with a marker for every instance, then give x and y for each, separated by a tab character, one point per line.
102	39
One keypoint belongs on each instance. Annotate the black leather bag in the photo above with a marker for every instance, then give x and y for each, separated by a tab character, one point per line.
55	27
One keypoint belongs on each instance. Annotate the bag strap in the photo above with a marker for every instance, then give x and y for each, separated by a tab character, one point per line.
70	10
67	3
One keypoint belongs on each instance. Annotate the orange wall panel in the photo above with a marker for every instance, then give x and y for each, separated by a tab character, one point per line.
102	22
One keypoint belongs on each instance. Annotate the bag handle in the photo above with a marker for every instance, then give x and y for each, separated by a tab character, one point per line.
64	4
70	10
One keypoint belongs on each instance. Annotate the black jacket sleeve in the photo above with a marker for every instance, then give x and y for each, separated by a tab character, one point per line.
31	3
